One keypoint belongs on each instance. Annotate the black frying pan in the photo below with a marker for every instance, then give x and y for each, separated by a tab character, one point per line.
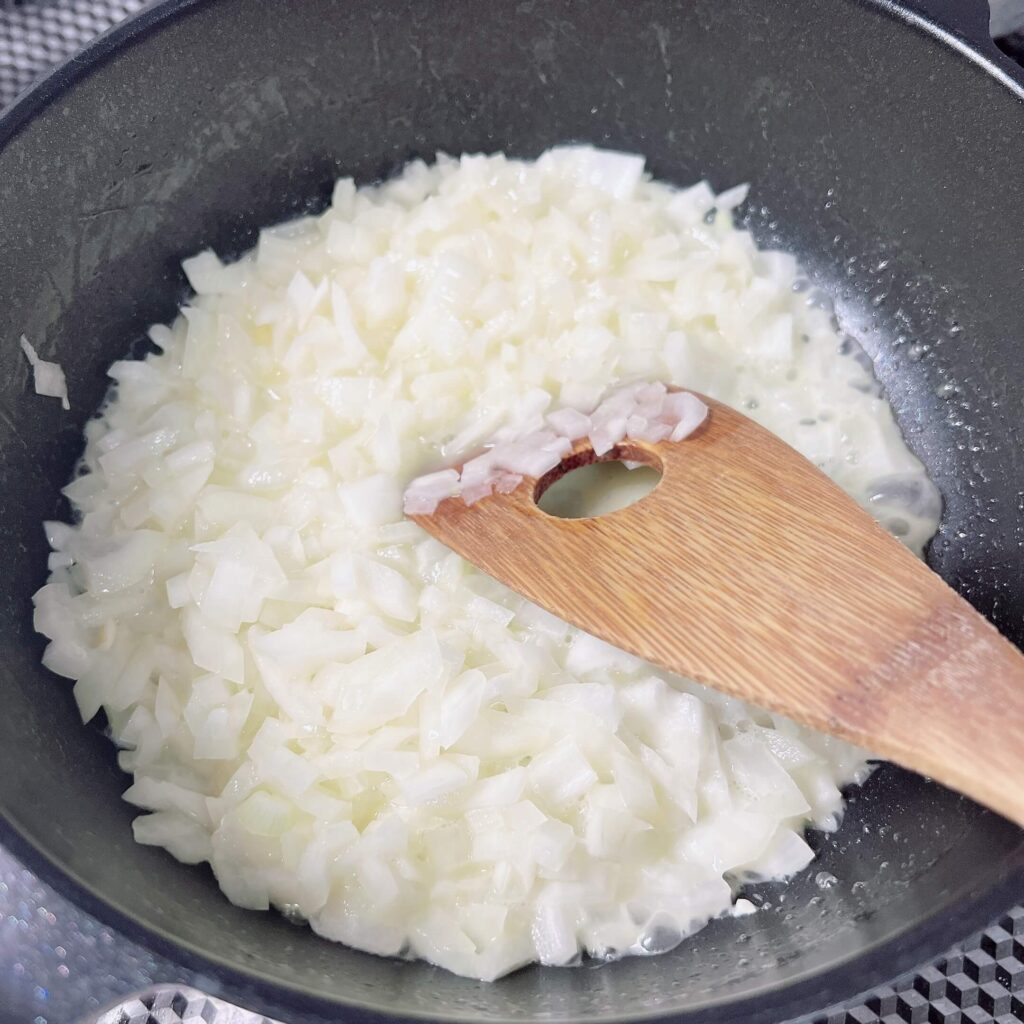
884	151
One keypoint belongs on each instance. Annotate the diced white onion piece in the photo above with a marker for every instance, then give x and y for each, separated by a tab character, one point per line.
569	423
692	413
731	198
49	377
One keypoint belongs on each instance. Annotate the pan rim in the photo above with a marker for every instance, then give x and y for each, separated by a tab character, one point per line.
44	91
790	1001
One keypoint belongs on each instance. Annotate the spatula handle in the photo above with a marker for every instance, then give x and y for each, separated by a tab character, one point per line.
948	703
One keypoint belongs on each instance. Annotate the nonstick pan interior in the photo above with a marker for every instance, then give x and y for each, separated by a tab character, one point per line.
887	158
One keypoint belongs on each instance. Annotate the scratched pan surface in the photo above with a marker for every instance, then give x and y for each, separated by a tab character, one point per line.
882	150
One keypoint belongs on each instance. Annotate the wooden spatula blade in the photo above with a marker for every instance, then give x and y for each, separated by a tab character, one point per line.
748	570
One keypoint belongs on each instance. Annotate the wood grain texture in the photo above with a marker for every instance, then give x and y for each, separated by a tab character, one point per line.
747	569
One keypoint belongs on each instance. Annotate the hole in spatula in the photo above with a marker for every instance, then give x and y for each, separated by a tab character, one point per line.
596	488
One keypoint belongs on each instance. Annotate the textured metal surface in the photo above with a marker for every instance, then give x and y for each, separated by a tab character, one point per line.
36	35
178	1004
58	965
977	982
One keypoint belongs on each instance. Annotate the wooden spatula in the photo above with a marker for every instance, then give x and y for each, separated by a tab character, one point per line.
749	570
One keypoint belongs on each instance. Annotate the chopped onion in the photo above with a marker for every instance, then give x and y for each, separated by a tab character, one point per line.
731	198
49	377
639	412
342	717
